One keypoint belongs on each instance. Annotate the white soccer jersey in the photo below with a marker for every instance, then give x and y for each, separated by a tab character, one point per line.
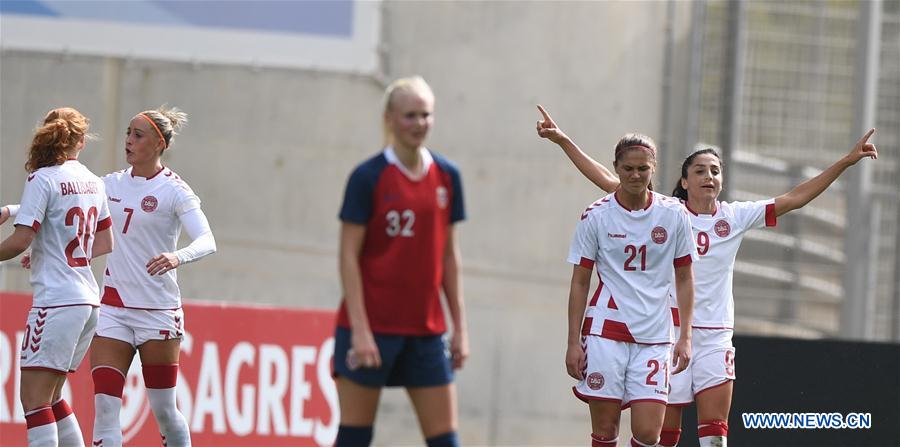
718	237
66	206
146	214
635	253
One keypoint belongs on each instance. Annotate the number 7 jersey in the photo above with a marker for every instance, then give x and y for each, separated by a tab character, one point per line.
65	205
408	219
146	215
635	252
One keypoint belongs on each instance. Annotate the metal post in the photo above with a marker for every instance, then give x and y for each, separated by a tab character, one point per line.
733	88
859	287
667	137
695	77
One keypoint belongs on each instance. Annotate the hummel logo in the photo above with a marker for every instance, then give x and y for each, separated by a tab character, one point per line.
30	177
113	199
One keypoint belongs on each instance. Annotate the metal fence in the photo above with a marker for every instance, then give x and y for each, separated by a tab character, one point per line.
791	80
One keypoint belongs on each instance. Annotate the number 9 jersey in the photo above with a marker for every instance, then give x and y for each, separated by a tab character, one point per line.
65	205
408	219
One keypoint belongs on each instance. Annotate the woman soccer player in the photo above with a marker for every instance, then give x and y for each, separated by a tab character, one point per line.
63	217
718	229
619	347
398	251
141	305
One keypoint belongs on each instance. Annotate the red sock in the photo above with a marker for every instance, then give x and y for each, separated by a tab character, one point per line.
669	437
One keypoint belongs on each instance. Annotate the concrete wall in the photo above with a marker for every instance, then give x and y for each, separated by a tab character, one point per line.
269	152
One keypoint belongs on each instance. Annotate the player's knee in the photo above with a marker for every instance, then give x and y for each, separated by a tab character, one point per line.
647	435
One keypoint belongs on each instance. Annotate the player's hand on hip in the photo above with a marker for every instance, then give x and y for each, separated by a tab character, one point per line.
459	348
26	261
547	128
162	263
363	351
863	149
576	362
681	357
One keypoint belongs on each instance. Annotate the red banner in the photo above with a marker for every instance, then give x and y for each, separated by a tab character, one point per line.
249	376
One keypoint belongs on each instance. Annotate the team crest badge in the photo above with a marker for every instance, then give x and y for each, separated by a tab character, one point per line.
595	381
442	198
659	235
722	228
149	203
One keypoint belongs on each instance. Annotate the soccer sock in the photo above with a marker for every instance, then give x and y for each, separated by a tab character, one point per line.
108	385
160	381
636	443
67	429
713	433
353	436
600	441
670	437
445	440
41	427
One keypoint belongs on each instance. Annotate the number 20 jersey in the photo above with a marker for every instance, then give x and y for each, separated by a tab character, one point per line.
65	205
635	252
407	222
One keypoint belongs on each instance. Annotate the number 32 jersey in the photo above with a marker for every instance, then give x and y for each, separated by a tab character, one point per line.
635	252
408	220
66	206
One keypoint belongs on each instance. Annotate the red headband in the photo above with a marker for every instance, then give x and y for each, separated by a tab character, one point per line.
647	148
152	123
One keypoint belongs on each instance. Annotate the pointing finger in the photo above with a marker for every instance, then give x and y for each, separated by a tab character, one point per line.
546	115
865	137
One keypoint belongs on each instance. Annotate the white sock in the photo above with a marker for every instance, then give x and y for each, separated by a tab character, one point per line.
161	381
714	441
41	428
106	421
67	428
108	385
172	424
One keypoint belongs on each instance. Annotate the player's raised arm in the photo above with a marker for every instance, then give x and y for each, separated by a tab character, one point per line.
590	168
810	189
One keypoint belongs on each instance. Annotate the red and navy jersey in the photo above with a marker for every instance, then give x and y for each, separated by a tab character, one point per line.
408	219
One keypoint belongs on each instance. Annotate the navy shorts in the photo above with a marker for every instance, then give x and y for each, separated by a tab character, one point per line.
407	361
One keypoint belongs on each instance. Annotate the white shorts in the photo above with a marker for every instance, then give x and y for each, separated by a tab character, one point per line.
138	326
624	372
57	338
712	364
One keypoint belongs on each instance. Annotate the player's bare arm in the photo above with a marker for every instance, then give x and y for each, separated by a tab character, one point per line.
363	351
578	291
684	290
452	284
103	243
810	189
590	168
16	243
